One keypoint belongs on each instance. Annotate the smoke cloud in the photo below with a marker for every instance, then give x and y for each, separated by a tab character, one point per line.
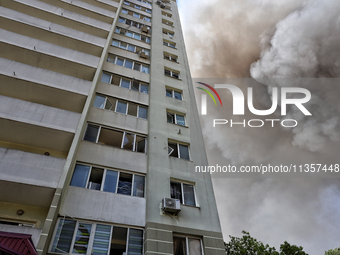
280	43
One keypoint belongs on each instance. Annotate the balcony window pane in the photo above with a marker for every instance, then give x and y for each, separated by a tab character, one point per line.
178	95
148	39
138	186
123	45
115	43
124	184
121	107
136	36
115	80
110	104
184	151
120	61
143	112
101	240
111	59
145	69
180	246
99	102
128	64
137	67
121	20
128	141
135	245
132	109
125	83
138	7
122	31
140	144
106	78
63	236
135	86
82	238
111	137
80	175
117	30
170	117
118	241
124	11
96	178
136	15
129	34
111	181
131	48
180	120
144	88
143	38
167	72
189	195
91	133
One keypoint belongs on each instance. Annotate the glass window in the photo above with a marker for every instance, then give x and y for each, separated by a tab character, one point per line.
133	108
131	48
111	59
148	11
123	45
170	117
124	11
172	150
147	19
135	86
120	61
168	92
145	69
121	107
189	194
167	72
115	43
180	120
135	245
184	151
121	20
136	67
80	175
124	184
128	141
125	83
143	112
115	80
144	88
99	102
128	64
177	95
138	7
176	190
136	15
127	3
82	238
136	36
140	143
91	133
96	177
106	78
63	237
138	186
111	181
110	104
117	30
111	137
101	240
129	34
118	241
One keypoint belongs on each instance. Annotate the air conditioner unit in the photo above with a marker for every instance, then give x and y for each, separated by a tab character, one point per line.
145	29
171	205
158	1
162	5
142	54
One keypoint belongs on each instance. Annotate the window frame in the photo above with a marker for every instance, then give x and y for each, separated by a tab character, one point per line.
127	46
172	73
175	114
147	38
187	241
169	15
127	107
172	180
171	34
91	237
102	184
125	132
167	22
140	84
116	58
173	93
169	44
171	57
178	149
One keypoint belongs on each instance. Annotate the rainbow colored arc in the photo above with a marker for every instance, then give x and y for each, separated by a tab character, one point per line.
208	92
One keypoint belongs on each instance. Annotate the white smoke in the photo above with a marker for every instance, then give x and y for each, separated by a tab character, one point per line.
306	45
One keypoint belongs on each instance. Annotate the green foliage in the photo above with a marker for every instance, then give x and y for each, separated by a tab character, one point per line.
335	251
247	245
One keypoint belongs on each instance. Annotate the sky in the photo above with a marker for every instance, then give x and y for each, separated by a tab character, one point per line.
278	43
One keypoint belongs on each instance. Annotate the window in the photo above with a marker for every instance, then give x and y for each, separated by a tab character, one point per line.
169	33
77	237
139	7
125	82
169	44
133	35
175	118
129	47
167	14
184	192
170	57
187	245
19	223
173	93
117	105
128	63
166	22
178	150
132	23
170	73
115	138
90	177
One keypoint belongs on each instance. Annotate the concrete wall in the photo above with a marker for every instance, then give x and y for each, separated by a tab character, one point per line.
104	206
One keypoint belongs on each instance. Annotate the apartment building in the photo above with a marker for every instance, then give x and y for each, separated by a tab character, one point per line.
100	132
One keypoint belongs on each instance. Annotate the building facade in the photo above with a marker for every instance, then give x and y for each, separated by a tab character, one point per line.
98	125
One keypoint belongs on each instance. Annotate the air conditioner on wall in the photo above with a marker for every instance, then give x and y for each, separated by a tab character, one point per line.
145	29
171	205
142	54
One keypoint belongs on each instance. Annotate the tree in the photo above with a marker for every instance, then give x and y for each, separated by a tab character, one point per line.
247	245
335	251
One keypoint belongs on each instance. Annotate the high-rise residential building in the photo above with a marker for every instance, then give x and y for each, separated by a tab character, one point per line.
100	133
